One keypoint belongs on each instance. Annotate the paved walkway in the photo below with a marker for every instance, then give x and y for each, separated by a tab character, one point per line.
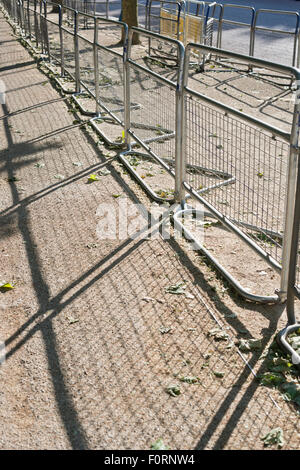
88	346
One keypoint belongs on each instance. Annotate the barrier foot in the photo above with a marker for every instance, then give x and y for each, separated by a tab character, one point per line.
282	342
143	184
243	292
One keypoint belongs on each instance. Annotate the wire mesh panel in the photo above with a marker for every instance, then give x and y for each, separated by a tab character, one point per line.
68	52
86	64
31	19
220	145
54	37
26	25
273	42
152	125
242	170
109	85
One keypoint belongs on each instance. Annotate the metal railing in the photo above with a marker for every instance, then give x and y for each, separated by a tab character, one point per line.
176	126
161	102
270	37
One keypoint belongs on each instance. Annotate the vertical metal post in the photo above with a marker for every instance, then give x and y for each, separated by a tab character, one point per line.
290	196
252	35
36	24
127	99
298	50
96	66
62	50
45	29
290	307
28	19
220	27
295	41
76	51
180	132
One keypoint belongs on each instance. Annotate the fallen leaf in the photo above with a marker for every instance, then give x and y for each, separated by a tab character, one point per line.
274	437
92	178
173	390
159	445
189	379
165	330
219	374
246	345
6	286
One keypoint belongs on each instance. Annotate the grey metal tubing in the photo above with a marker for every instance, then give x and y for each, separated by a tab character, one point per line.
99	104
286	69
149	16
292	322
261	28
240	289
96	67
179	106
145	186
222	21
292	138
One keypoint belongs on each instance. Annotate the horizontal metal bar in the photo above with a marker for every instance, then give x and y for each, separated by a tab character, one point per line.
235	23
281	31
85	39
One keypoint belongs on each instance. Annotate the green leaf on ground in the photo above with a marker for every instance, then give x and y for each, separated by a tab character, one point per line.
247	345
189	379
72	320
93	178
274	437
218	334
218	374
104	172
159	445
173	390
6	286
271	379
178	288
165	330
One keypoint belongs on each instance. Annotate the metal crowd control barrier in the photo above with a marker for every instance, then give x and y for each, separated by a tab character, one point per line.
259	206
269	36
199	24
31	19
109	84
247	182
293	283
160	113
226	24
103	8
166	17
